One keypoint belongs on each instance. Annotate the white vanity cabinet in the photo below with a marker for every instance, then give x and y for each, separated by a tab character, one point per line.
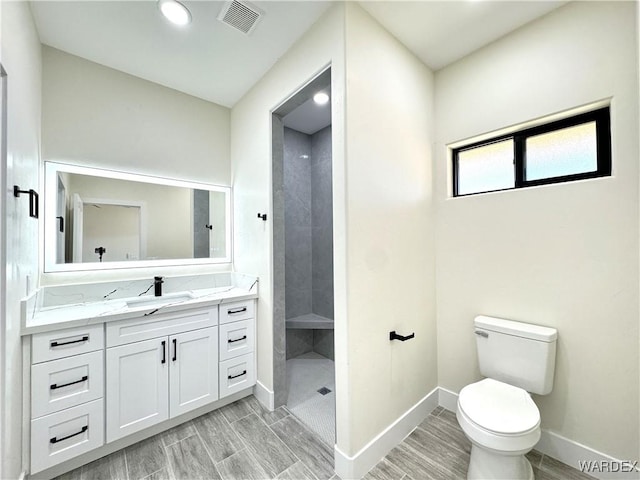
165	372
67	385
193	371
237	347
99	383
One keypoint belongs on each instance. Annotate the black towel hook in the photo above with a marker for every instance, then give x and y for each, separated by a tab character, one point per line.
394	336
33	200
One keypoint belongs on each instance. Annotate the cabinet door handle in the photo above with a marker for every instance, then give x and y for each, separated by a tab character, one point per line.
83	379
237	310
237	339
56	439
175	350
164	352
60	344
244	372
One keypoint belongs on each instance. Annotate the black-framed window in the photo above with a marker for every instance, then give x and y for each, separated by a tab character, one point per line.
573	148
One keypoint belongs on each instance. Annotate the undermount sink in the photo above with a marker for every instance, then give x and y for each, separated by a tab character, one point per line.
163	300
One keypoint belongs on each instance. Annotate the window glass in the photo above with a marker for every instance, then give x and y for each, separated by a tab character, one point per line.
486	168
562	152
569	149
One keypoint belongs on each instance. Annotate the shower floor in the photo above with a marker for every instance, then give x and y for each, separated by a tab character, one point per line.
306	374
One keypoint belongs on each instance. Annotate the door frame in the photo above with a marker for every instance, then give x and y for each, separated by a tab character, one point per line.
3	248
120	203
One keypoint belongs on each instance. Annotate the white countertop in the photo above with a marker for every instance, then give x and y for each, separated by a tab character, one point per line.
77	314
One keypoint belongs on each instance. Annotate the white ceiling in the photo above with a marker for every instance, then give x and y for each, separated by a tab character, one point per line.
208	59
309	117
213	61
441	32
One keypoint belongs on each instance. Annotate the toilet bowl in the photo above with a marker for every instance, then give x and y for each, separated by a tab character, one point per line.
503	424
497	414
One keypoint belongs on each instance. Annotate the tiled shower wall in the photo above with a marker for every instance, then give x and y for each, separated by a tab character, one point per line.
308	237
200	219
297	221
321	224
308	223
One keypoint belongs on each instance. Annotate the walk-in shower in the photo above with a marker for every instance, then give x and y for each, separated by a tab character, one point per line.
303	258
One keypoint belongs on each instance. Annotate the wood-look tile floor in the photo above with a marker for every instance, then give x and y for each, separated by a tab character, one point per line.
439	450
244	441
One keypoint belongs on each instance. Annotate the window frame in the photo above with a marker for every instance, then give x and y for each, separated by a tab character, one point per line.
602	120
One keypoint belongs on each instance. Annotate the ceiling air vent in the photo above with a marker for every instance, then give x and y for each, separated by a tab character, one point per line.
240	15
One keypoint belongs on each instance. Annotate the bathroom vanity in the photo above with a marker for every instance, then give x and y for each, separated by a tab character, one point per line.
106	365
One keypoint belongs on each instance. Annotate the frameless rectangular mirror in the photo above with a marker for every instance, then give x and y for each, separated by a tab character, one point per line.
102	219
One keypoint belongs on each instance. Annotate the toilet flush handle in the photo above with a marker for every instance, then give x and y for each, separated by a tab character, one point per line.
482	333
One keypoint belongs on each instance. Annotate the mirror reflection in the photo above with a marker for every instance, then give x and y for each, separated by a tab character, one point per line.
104	219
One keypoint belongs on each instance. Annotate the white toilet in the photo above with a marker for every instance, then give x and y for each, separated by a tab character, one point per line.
497	414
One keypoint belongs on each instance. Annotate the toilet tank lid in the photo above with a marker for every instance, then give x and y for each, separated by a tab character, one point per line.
520	329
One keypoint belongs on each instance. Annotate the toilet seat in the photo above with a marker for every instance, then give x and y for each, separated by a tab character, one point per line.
499	416
499	408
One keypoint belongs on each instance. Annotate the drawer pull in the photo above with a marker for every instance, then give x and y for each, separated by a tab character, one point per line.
175	350
237	339
237	310
230	377
56	439
83	379
60	344
164	352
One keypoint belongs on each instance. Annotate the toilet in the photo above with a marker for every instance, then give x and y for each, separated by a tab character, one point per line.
497	413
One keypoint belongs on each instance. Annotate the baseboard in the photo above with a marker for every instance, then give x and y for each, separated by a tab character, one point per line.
580	456
356	466
567	451
447	399
264	395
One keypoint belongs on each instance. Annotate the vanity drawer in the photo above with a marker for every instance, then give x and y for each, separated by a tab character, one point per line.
64	343
66	434
232	312
159	325
236	338
67	382
237	374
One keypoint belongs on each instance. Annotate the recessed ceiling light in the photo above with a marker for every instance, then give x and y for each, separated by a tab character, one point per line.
321	98
175	12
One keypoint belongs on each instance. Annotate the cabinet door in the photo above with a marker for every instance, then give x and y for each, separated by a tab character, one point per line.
137	386
193	370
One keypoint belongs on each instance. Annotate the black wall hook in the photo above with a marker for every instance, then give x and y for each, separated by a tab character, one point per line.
394	336
263	216
33	200
209	227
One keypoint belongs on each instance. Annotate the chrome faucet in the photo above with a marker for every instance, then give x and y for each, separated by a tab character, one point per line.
157	286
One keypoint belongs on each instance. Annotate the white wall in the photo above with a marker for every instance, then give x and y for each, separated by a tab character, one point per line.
562	255
97	116
3	249
22	61
168	209
390	228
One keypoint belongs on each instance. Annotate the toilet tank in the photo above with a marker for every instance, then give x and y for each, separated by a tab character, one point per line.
520	354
